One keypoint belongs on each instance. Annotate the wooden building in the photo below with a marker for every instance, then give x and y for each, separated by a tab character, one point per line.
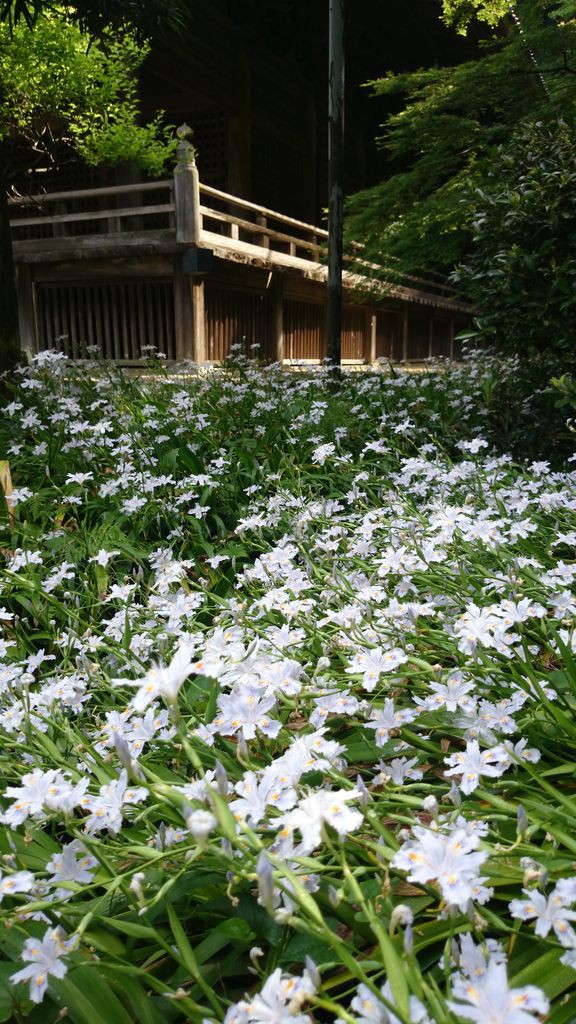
106	260
191	270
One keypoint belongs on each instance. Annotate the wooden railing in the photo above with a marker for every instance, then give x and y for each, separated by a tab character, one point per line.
181	211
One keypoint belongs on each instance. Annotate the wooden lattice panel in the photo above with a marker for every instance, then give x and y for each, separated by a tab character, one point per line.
236	317
119	318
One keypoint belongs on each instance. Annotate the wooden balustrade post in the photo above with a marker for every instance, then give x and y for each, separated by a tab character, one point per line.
58	229
264	239
187	190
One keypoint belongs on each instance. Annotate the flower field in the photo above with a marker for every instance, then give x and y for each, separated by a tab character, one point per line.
287	703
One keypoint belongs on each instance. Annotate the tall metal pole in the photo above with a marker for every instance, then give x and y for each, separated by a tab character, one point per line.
335	177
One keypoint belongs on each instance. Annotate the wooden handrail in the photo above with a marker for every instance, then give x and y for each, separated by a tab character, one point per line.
263	210
267	239
65	218
259	229
88	193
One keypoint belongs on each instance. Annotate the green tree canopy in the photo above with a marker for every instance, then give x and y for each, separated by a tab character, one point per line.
64	93
67	82
451	120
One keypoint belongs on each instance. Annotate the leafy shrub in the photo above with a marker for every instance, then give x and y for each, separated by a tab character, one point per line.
522	268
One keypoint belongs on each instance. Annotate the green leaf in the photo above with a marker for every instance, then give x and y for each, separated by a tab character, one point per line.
236	930
6	991
548	973
89	999
137	931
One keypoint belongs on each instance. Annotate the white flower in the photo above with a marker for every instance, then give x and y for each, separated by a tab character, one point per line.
103	557
163	681
386	720
19	881
280	1001
40	793
107	808
371	664
371	1010
452	861
452	694
549	913
73	864
314	810
473	763
320	454
245	712
398	770
79	478
489	1000
45	958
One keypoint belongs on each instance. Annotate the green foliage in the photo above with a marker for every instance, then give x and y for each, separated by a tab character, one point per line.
442	138
59	88
95	16
461	12
522	268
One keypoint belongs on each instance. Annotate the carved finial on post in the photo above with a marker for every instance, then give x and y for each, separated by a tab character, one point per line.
186	189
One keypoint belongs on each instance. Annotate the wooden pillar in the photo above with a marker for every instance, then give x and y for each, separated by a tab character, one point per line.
277	287
452	333
28	325
264	239
58	228
373	333
405	333
430	334
183	313
187	191
199	350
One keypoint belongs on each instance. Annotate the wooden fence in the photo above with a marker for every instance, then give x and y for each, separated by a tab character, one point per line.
191	269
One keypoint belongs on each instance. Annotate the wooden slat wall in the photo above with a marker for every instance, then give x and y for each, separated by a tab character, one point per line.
418	335
355	334
119	317
237	317
304	330
388	335
440	336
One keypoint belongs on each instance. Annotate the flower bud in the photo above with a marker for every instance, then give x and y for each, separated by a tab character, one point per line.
221	778
454	795
430	805
312	972
265	877
333	896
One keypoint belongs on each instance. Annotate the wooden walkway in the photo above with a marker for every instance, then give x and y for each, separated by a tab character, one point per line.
190	269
